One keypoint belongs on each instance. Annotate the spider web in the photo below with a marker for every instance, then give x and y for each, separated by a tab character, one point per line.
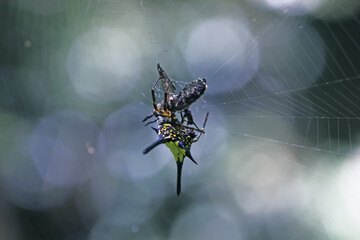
323	116
332	115
303	94
316	114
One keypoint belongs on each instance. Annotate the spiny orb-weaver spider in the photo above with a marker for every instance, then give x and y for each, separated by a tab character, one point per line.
179	139
171	131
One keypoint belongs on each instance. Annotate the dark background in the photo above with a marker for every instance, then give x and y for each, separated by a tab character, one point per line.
280	157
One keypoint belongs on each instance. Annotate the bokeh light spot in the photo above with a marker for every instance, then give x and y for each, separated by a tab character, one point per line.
104	65
59	148
224	52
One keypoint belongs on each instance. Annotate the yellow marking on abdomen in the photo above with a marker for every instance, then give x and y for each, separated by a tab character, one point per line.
178	152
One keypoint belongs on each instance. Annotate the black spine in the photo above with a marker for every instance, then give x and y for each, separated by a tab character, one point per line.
149	148
179	168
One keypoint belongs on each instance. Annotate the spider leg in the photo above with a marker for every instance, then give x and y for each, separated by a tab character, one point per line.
147	117
153	95
203	128
156	130
166	95
166	111
182	117
196	126
191	128
151	122
190	119
154	101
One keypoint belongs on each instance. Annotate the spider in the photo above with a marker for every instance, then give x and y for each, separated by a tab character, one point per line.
176	102
179	139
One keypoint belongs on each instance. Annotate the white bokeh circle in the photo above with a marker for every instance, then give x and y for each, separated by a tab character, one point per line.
103	64
224	52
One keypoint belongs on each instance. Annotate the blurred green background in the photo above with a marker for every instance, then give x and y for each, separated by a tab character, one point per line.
280	157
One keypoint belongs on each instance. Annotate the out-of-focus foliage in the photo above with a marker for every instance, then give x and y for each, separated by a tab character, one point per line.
280	157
